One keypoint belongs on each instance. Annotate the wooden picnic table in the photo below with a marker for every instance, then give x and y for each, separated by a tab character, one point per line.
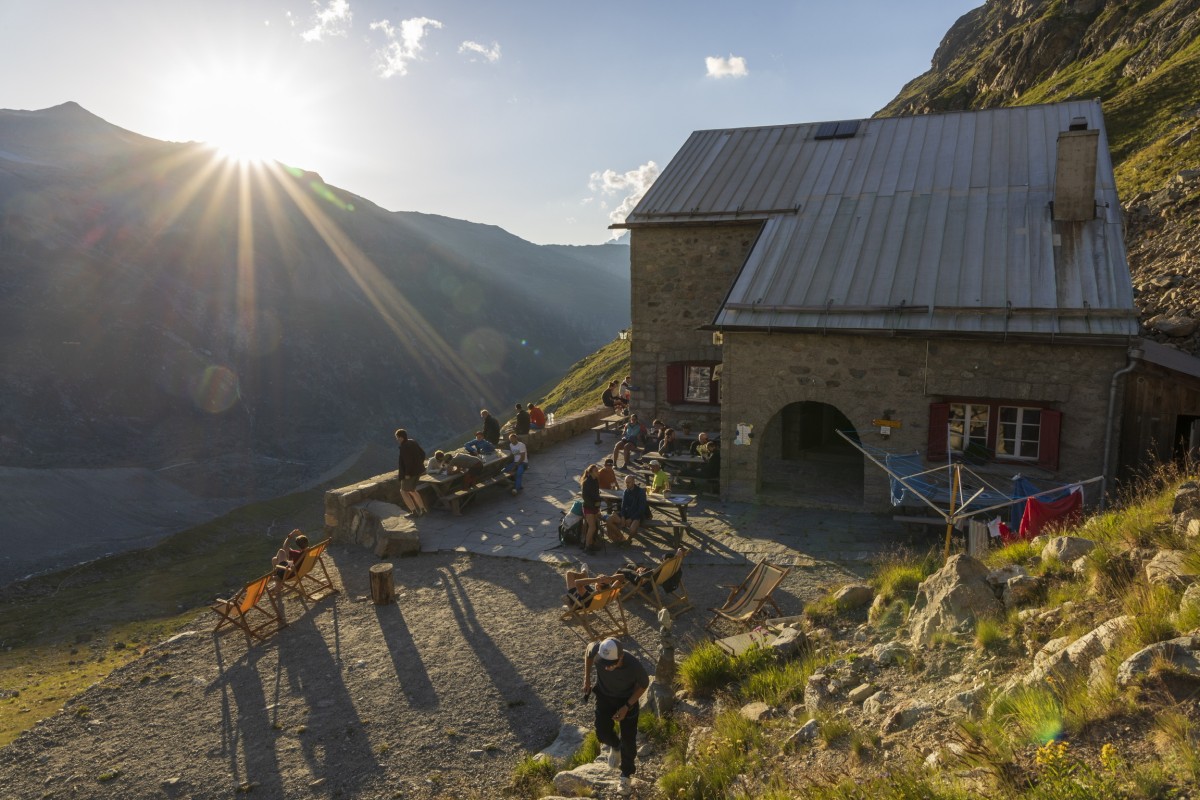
613	424
672	502
447	488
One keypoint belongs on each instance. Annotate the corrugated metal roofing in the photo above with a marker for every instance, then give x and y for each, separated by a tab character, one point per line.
935	223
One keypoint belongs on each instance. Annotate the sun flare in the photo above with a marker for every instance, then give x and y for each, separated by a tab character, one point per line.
248	114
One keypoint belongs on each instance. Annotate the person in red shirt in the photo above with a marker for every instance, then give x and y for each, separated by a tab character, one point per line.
537	417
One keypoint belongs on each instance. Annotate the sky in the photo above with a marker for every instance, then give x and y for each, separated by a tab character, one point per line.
548	119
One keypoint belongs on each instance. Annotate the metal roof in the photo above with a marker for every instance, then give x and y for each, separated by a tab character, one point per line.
921	224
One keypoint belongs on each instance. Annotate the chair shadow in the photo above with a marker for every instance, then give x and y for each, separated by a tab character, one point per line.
506	678
245	722
406	660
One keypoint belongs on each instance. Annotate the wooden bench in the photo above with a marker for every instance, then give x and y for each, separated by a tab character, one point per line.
458	499
614	424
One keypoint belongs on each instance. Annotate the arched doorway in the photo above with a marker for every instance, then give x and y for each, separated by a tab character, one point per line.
803	461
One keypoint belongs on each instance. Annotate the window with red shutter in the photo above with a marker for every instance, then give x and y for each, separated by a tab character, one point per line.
939	418
693	382
675	383
1048	443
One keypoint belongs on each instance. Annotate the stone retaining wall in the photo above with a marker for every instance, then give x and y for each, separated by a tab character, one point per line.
344	522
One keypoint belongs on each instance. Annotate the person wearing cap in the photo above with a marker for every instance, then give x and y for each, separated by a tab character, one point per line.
621	680
660	481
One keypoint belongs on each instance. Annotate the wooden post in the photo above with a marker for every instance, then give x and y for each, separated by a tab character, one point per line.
950	516
382	589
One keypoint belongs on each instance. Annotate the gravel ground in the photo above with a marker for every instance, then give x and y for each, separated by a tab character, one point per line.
438	695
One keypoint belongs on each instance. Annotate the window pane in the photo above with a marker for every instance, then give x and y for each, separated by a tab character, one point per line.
698	388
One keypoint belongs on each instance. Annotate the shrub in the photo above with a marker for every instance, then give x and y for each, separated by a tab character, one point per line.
706	669
1153	610
532	777
733	748
660	730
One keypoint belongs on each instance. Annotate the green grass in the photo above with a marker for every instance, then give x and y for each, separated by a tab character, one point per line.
779	684
581	387
735	746
708	668
990	635
1023	553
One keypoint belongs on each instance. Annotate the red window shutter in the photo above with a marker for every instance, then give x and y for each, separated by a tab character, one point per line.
939	419
675	383
1048	442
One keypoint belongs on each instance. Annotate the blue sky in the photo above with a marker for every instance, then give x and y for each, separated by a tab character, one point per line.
545	118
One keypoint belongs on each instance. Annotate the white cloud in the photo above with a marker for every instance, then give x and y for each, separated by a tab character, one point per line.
632	184
403	45
491	54
330	20
732	67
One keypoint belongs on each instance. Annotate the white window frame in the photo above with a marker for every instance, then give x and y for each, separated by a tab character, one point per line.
697	383
1020	429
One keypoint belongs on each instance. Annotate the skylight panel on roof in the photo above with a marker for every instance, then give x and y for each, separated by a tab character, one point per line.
845	129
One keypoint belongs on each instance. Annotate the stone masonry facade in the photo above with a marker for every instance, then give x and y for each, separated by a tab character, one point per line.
872	377
680	277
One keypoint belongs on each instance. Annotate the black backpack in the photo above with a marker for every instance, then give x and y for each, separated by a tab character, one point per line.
570	534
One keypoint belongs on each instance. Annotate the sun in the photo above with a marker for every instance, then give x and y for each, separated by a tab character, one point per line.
248	113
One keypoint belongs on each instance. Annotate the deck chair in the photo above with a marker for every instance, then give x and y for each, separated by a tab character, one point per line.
245	610
305	583
600	616
748	601
663	587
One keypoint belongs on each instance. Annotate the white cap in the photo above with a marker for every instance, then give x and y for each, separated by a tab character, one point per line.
608	650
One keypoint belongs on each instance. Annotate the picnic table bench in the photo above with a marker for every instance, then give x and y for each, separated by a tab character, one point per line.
448	491
458	499
613	424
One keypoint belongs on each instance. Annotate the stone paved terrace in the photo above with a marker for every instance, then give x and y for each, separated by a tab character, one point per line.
526	526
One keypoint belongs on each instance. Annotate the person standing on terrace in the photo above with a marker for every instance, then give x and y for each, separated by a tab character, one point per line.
491	428
411	468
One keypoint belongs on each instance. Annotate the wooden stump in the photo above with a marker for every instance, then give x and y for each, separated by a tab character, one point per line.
382	589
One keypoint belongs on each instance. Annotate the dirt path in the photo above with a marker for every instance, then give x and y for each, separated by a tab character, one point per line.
439	695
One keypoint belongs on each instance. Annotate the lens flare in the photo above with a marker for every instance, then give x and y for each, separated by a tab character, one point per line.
216	390
484	350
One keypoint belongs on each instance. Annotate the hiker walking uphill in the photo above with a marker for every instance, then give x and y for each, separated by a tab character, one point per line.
621	680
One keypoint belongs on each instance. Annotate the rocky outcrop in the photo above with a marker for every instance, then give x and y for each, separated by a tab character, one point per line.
1181	657
951	600
1061	658
1065	549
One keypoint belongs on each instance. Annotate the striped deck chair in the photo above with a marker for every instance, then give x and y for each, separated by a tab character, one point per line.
748	601
305	583
600	616
663	587
246	610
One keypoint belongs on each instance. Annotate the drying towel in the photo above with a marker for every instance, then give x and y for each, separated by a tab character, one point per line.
1038	513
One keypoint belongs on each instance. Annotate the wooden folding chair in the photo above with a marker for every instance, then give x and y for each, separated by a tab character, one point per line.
596	615
245	610
748	601
652	588
304	582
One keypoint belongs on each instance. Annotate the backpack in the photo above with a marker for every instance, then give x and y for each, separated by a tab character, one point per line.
570	533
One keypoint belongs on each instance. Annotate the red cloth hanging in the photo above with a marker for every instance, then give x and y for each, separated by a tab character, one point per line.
1038	513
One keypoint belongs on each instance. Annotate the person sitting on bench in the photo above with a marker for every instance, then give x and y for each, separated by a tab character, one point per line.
470	466
479	446
634	509
710	469
436	465
612	399
607	476
629	439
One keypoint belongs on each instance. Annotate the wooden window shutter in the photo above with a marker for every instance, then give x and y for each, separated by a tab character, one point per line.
675	383
939	420
1048	440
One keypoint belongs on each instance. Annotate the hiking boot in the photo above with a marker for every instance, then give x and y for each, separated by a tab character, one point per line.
624	786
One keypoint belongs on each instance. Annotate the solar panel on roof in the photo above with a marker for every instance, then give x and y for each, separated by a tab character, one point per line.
826	130
846	129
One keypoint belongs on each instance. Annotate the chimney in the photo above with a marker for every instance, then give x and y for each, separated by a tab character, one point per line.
1075	173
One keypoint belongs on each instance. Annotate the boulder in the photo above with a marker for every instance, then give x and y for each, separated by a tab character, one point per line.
816	693
756	711
1190	600
1061	660
1187	500
904	716
587	780
1067	548
853	596
951	599
570	737
876	703
807	733
1021	590
969	702
1181	656
860	693
889	653
789	643
998	577
1170	568
1177	326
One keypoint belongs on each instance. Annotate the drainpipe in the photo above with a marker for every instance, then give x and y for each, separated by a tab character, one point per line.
1135	354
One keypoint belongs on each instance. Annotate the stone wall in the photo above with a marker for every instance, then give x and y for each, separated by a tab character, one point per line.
869	378
680	277
344	517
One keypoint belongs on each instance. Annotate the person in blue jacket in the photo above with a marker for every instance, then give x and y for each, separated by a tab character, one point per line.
623	524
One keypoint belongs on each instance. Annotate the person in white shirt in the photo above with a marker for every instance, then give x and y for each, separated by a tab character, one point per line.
520	454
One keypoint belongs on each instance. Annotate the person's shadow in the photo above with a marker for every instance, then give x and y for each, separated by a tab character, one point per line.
245	723
406	660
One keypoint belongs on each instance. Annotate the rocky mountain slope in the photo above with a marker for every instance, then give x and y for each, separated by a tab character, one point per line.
1142	60
250	327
